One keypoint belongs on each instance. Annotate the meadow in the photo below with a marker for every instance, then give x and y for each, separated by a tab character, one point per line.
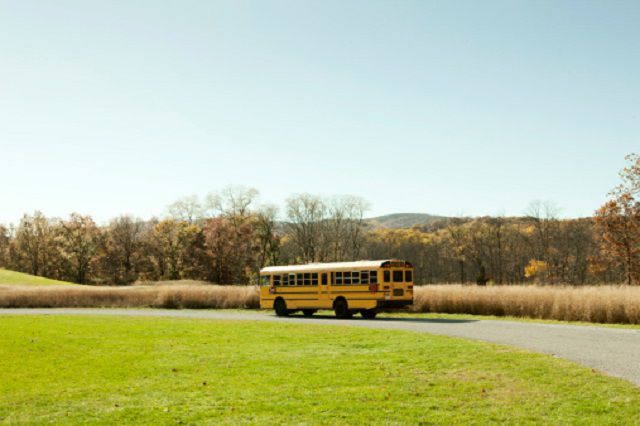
188	296
8	277
119	370
596	304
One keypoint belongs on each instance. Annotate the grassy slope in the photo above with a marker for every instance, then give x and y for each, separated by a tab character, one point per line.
18	278
150	370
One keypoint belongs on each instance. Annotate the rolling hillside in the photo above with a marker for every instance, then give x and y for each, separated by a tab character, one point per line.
402	220
18	278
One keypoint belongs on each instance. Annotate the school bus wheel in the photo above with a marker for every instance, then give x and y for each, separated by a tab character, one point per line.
368	313
280	307
341	308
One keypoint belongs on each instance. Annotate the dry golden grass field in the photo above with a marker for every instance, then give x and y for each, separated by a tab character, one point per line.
175	296
599	304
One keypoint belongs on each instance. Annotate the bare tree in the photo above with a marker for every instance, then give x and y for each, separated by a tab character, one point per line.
306	214
345	224
543	215
496	248
268	240
458	242
187	209
234	202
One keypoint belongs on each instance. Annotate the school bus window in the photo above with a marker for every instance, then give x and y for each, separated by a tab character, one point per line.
408	276
346	278
285	280
299	279
373	277
314	278
364	277
355	278
276	280
338	278
307	279
264	280
324	279
292	279
387	276
397	276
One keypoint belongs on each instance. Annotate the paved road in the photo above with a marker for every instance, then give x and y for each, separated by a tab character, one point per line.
615	351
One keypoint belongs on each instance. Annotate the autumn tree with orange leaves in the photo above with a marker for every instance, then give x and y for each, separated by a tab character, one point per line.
619	221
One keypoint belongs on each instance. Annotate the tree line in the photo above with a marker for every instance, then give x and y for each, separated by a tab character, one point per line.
227	237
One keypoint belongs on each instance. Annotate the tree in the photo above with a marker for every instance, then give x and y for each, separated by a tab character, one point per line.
5	242
230	251
543	217
536	269
219	246
268	241
233	202
306	214
630	176
496	248
122	249
34	243
186	209
79	242
619	221
173	239
344	228
458	241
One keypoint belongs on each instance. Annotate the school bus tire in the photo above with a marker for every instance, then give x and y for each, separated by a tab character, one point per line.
280	306
341	308
368	313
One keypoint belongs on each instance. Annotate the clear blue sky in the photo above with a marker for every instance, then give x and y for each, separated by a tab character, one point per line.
445	107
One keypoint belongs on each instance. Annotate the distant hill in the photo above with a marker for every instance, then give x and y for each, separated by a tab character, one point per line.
18	278
402	220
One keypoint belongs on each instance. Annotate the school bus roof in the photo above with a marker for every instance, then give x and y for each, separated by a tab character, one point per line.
335	266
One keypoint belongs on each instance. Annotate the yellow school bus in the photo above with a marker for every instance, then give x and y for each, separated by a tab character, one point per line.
364	286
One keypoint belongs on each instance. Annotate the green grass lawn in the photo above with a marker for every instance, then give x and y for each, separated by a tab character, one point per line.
408	314
18	278
497	318
120	370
